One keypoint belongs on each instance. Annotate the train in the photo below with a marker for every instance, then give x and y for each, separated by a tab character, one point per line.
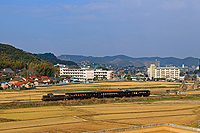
99	94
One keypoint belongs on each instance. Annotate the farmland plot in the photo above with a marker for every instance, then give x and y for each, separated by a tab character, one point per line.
75	119
36	94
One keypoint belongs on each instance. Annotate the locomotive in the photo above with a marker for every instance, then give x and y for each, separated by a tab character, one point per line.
99	94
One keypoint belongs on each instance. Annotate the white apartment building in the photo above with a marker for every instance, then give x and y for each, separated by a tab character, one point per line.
163	72
86	74
167	72
103	74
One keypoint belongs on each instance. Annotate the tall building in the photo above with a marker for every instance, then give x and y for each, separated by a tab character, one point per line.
148	63
152	71
163	72
167	72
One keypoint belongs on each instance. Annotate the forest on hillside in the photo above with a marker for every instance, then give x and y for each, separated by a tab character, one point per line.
11	57
50	57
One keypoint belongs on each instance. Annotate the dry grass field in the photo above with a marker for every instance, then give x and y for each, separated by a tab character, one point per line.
75	119
36	94
115	85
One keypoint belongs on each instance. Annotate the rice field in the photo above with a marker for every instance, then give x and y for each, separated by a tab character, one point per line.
114	86
76	119
83	118
38	113
36	94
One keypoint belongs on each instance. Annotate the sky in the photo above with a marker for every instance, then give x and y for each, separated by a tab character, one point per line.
137	28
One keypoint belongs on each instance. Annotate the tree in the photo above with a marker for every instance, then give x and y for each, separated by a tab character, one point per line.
103	68
104	77
18	59
95	78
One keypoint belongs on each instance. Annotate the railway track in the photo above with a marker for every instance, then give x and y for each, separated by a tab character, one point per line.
105	99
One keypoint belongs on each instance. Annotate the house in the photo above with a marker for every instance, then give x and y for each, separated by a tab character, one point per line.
4	84
40	82
30	80
43	77
47	80
138	77
24	85
65	81
16	80
43	81
8	70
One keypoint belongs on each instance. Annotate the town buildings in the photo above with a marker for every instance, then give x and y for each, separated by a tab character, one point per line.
26	83
86	73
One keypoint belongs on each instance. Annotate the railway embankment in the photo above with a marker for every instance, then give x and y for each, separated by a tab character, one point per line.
14	105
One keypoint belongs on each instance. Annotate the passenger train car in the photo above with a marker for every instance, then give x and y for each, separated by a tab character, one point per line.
99	94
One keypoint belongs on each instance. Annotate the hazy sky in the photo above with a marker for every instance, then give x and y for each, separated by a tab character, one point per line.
137	28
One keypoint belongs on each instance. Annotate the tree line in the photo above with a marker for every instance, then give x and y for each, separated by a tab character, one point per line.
13	58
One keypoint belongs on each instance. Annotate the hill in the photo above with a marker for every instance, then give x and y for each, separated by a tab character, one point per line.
50	57
123	60
11	57
70	57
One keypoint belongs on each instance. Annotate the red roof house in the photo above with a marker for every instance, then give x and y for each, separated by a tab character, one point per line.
43	77
21	83
15	80
30	80
24	85
33	77
47	80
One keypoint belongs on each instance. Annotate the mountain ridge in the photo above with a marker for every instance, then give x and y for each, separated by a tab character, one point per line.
124	60
50	57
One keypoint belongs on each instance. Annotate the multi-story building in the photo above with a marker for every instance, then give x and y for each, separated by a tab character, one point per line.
156	63
198	77
152	71
167	72
163	72
86	74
